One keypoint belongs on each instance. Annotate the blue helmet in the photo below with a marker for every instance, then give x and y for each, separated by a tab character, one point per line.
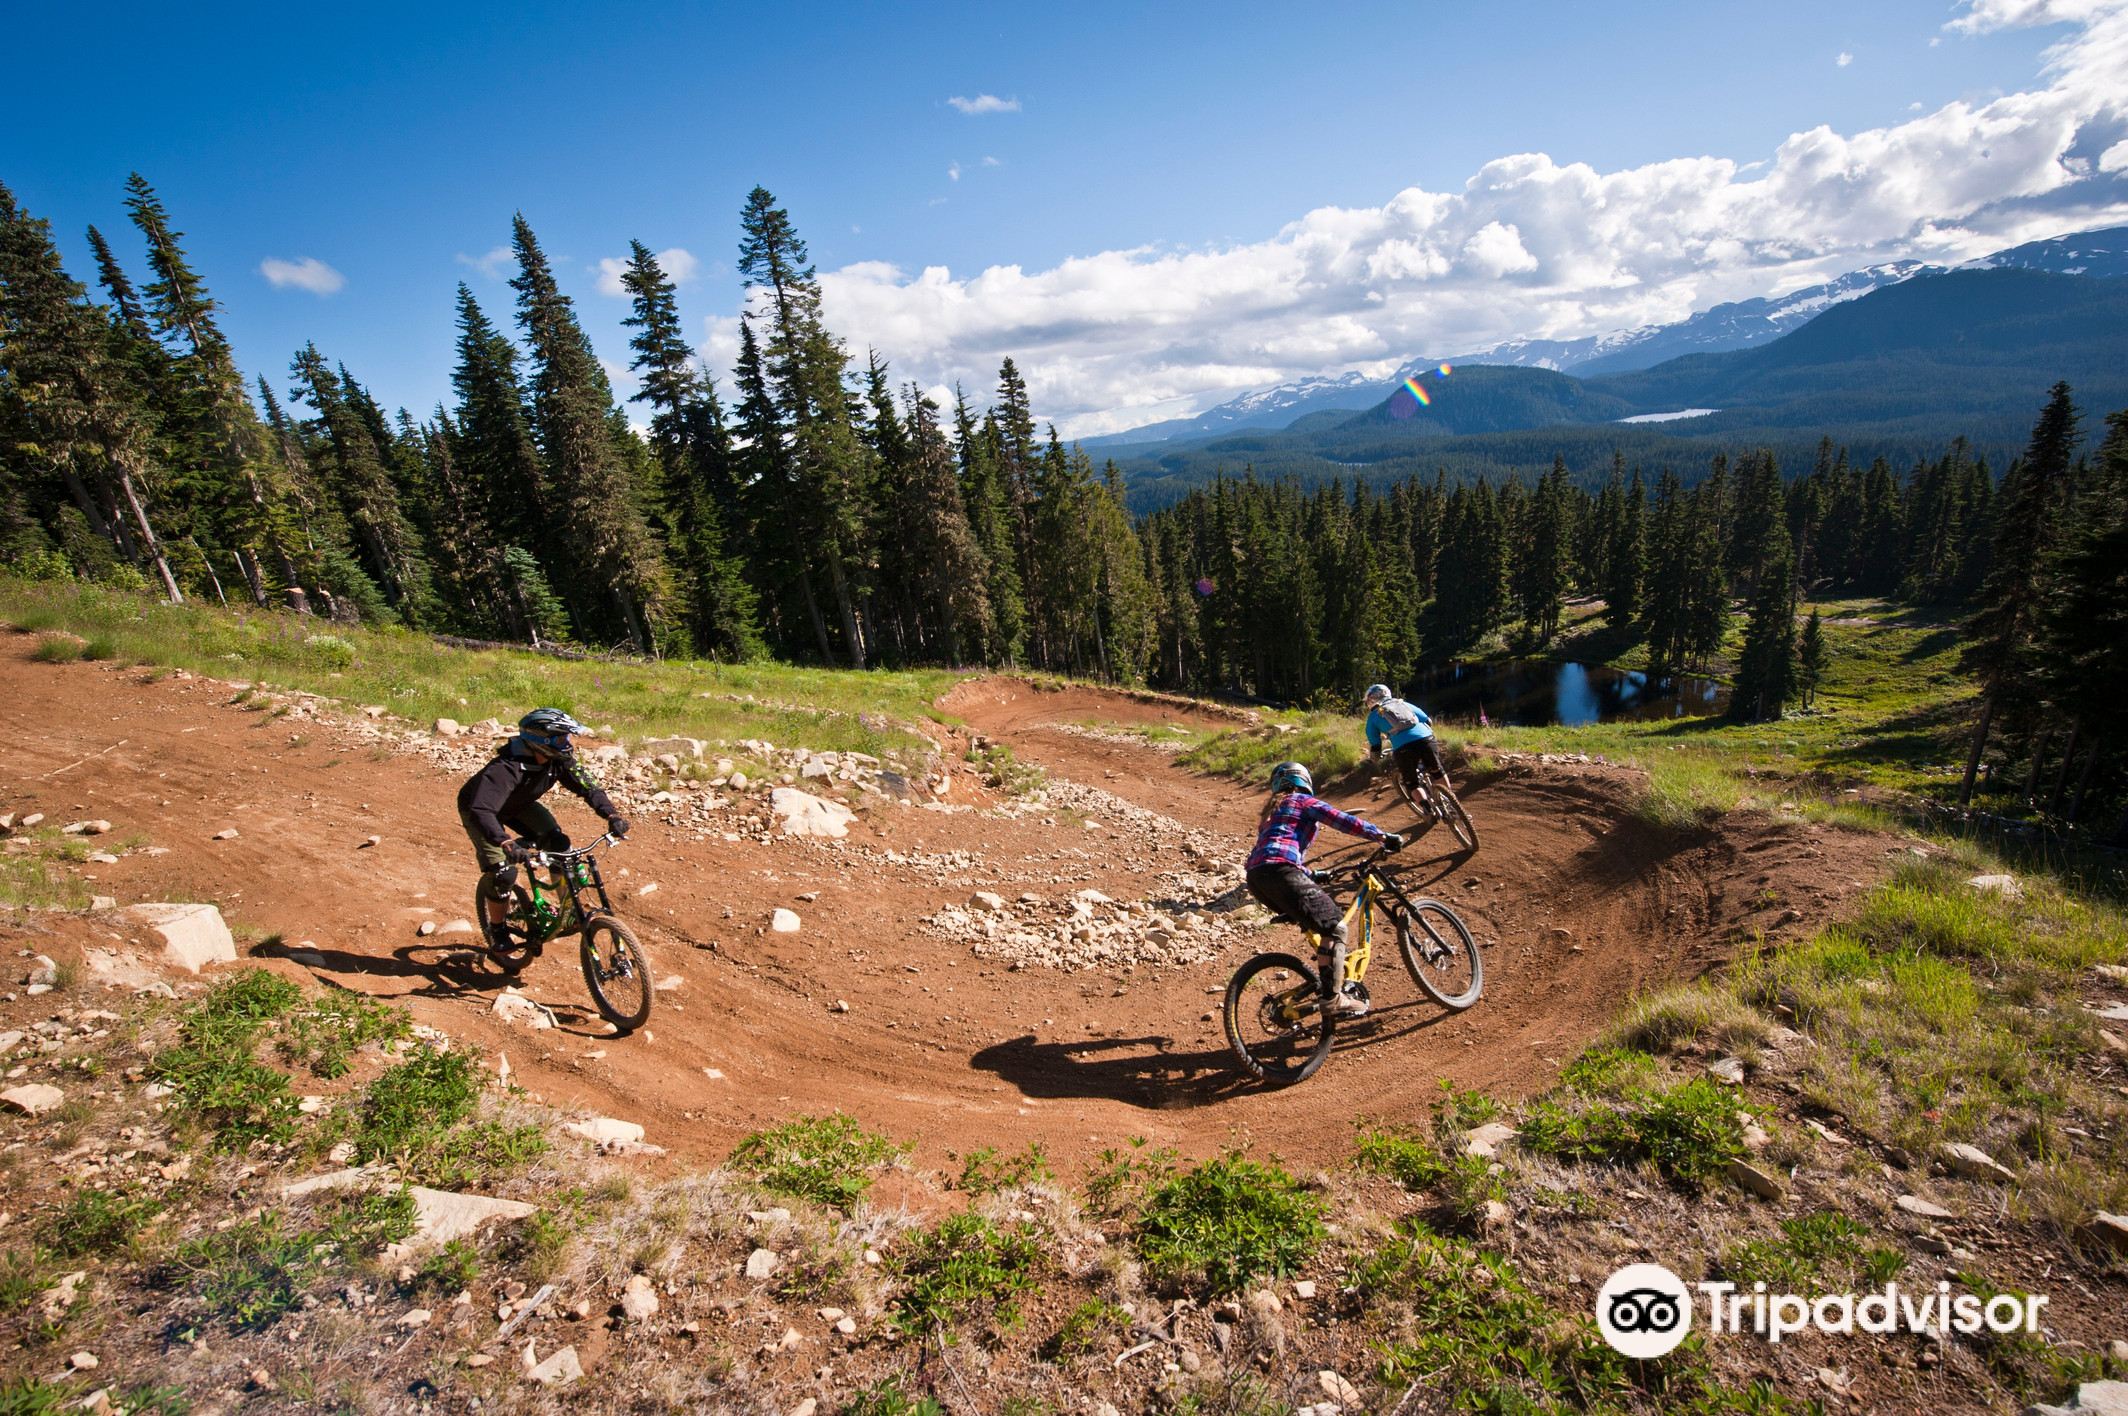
1291	777
549	728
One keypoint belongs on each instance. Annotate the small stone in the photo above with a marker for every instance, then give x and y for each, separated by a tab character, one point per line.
415	1318
102	858
806	1407
842	1005
447	727
33	1098
1973	1162
83	1362
370	843
87	828
1729	1070
1337	1388
846	1325
2003	885
606	1131
648	887
1758	1182
559	1370
2110	1230
989	900
1304	1288
1486	1140
425	928
784	922
1920	1208
761	1263
227	833
638	1299
480	1359
43	970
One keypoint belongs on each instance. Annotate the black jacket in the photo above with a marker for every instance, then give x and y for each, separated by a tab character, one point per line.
507	785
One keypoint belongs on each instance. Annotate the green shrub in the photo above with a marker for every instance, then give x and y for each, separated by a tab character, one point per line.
886	1398
1815	1254
57	649
1126	1177
251	1273
965	1264
824	1159
329	651
1609	1071
99	649
987	1171
1412	1161
419	1115
1689	1132
450	1269
1087	1329
324	1036
218	1080
1228	1221
96	1221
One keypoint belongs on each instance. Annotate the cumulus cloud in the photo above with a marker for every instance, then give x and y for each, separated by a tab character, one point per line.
985	103
494	263
992	162
1526	246
679	264
310	274
1845	59
953	172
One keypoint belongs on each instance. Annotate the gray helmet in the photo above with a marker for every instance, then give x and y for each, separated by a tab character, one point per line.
548	728
1291	776
1377	693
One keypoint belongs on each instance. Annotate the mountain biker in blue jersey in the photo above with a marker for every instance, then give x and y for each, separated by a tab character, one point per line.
1278	875
1409	733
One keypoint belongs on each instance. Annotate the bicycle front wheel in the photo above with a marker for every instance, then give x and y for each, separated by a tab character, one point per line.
616	972
1440	955
1275	1019
512	957
1449	809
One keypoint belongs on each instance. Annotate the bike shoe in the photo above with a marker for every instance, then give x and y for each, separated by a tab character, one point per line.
1346	1005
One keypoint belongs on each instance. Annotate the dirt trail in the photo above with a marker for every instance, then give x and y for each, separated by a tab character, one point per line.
1576	902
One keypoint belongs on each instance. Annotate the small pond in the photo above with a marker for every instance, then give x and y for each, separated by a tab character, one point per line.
1538	692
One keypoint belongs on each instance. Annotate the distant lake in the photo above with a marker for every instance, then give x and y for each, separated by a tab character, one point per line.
1538	692
1668	417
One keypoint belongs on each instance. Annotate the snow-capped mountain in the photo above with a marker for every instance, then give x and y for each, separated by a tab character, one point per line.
1738	324
2103	254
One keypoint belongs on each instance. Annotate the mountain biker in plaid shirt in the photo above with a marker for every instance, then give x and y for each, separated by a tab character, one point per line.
1278	875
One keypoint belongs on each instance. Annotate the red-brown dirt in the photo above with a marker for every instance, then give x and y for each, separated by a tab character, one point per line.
1577	902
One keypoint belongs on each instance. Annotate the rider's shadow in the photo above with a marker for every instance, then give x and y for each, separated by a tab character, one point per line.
1141	1071
431	971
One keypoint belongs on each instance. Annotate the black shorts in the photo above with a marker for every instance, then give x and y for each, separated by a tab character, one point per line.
1288	890
1411	755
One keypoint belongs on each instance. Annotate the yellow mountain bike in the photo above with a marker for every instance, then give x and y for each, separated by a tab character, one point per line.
1275	1019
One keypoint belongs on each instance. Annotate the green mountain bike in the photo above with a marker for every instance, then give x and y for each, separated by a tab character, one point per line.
571	896
1275	1020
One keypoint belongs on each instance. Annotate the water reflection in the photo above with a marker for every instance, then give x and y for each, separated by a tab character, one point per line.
1531	692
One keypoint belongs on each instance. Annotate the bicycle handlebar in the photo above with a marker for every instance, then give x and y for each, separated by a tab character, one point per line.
535	856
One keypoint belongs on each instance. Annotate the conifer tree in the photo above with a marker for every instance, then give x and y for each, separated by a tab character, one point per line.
2084	629
389	548
1810	659
1626	557
1766	668
2001	630
991	521
609	567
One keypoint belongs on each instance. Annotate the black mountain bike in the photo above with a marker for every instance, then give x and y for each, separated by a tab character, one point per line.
1433	801
540	909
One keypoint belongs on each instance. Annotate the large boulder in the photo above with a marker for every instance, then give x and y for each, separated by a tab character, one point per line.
807	815
193	936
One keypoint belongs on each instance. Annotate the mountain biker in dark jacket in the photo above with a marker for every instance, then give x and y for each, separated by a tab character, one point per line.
503	797
1278	875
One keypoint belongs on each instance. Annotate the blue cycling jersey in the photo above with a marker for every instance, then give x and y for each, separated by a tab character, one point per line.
1380	726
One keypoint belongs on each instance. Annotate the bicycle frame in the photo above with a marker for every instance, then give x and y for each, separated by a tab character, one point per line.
1360	953
562	879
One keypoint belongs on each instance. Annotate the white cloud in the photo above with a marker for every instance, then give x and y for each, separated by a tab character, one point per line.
680	267
310	274
1845	59
985	103
494	263
1526	246
953	172
992	162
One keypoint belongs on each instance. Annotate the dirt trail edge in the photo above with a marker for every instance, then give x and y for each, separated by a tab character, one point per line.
1576	902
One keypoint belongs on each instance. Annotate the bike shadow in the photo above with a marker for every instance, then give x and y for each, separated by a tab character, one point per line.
1152	1073
430	971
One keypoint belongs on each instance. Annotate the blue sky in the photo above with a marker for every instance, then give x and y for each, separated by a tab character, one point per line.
1140	186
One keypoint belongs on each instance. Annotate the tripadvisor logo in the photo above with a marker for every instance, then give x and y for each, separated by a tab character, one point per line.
1645	1311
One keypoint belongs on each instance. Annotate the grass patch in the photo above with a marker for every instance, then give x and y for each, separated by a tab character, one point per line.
420	680
95	1222
214	1069
58	649
420	1116
33	878
1814	1254
1123	1178
252	1273
824	1159
324	1036
1226	1222
1087	1329
1328	744
988	1170
450	1269
965	1266
886	1398
1689	1132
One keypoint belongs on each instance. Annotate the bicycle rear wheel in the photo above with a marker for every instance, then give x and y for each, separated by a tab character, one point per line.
511	959
1439	953
616	972
1275	1020
1449	809
1412	799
